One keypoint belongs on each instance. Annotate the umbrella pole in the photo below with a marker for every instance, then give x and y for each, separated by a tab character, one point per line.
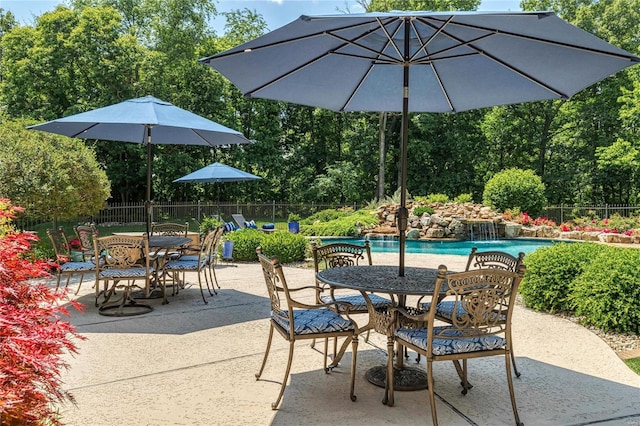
402	214
147	203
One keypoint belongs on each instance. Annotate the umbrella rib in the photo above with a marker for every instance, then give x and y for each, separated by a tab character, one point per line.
541	40
368	49
423	44
75	135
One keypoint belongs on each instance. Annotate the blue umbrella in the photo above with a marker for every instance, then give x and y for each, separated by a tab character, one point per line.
218	173
422	62
147	121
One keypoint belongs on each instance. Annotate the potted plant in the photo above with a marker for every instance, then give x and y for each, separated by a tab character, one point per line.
75	250
294	223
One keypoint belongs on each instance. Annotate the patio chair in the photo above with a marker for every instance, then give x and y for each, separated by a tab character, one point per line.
85	234
170	229
487	296
338	255
123	260
63	255
197	263
295	321
242	223
479	260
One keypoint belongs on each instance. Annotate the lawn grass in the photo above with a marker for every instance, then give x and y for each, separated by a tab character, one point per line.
633	364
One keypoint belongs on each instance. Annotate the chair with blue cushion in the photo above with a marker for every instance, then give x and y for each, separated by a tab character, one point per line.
63	255
202	263
492	259
296	320
336	255
487	297
122	262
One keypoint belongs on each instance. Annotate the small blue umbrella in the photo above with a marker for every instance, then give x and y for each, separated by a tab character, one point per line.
148	121
217	173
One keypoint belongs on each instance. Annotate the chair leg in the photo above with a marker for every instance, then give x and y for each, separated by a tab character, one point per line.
266	352
354	355
338	357
432	395
274	406
513	357
80	284
201	290
507	359
213	272
366	337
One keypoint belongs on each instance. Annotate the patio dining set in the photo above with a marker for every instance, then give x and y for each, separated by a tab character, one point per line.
467	315
137	266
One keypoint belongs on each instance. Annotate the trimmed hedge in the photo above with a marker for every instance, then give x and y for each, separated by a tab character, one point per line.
607	293
599	283
551	271
286	246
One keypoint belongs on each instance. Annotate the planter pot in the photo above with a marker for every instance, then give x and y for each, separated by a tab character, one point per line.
294	227
227	250
76	256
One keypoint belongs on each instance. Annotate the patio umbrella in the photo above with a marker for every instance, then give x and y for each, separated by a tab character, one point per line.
420	62
218	173
148	121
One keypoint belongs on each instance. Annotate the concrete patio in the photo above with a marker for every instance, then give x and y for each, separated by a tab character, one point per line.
187	363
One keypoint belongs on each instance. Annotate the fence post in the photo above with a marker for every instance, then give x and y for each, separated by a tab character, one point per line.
561	213
273	211
606	211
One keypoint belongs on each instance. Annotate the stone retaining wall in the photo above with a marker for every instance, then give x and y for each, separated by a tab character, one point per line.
456	221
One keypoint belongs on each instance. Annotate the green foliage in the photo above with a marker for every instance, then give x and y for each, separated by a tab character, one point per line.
293	217
607	292
324	216
515	188
209	224
286	246
551	271
464	198
51	176
345	225
420	210
437	198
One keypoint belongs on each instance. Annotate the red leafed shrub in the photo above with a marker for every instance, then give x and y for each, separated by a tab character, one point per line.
32	334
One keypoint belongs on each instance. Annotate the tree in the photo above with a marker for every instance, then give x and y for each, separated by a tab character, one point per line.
52	176
515	189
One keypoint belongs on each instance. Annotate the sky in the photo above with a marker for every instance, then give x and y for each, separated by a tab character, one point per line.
275	12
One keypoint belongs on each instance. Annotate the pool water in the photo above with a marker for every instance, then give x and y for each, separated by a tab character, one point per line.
460	248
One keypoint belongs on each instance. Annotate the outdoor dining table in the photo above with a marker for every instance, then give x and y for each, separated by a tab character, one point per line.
159	244
416	281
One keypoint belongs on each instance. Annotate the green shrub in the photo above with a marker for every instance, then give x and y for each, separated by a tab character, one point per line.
608	291
464	198
286	246
420	210
324	216
515	188
433	198
551	271
209	224
348	225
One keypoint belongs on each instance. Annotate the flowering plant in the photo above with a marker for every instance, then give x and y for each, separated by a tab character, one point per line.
74	244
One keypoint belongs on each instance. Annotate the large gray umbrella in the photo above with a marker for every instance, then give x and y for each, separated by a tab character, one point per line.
147	121
217	173
420	62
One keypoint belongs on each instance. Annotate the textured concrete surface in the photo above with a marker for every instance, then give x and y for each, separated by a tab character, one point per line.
187	363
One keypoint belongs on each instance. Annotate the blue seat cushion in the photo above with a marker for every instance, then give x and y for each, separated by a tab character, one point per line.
269	226
358	302
125	273
183	265
313	321
77	266
251	224
443	346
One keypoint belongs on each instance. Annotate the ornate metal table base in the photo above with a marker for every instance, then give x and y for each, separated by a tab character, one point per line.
404	379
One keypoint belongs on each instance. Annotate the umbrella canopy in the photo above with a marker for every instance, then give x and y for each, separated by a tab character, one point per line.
217	172
146	120
420	62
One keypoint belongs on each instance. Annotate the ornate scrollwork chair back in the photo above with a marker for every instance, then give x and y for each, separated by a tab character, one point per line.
63	261
484	329
86	234
170	229
123	260
295	321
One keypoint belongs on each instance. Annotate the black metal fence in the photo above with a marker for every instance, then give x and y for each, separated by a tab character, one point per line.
563	213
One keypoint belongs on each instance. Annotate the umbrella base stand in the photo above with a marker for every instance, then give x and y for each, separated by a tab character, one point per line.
404	379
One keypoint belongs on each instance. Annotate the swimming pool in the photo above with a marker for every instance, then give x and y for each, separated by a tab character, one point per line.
460	248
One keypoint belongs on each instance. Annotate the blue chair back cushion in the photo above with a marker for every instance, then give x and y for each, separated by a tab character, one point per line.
441	346
251	224
445	308
313	321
